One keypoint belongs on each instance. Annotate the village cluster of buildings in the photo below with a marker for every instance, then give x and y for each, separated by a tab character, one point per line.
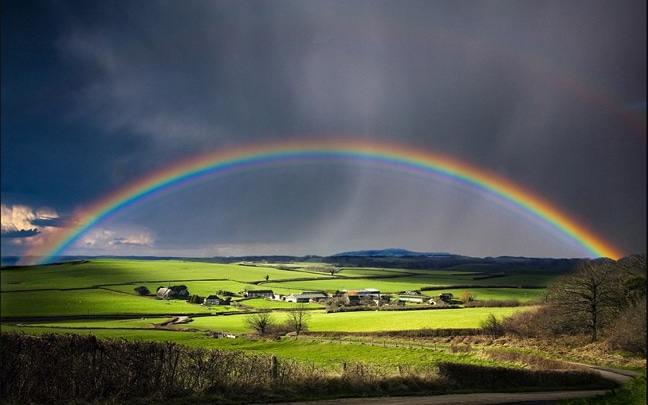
351	297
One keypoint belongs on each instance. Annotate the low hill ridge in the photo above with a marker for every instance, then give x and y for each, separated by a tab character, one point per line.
392	252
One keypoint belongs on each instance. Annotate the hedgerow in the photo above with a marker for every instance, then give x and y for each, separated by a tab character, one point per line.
70	368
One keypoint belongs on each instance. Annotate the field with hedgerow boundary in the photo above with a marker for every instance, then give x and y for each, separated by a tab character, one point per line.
99	330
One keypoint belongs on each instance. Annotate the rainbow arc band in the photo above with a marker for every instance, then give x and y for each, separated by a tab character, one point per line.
354	152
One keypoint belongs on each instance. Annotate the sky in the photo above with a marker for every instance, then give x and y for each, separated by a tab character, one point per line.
550	95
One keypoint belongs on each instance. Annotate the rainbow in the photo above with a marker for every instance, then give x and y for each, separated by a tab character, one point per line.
250	157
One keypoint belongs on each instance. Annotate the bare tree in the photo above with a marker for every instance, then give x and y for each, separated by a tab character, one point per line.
298	319
260	322
588	299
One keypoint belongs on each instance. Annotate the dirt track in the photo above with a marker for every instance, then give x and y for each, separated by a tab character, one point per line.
527	398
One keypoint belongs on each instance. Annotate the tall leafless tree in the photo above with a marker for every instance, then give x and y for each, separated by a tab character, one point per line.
298	319
587	299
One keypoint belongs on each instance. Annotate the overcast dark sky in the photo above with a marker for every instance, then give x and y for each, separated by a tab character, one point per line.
550	94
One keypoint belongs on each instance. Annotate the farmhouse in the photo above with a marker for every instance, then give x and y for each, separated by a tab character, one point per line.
369	292
315	295
258	293
352	298
366	292
212	300
177	291
297	298
308	296
355	297
416	300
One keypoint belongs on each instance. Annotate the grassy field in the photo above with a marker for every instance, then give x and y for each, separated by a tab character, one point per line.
98	297
318	321
88	302
107	287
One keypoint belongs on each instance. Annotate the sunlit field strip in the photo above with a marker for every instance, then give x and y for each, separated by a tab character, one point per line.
88	302
368	321
501	294
522	279
188	270
319	321
370	271
97	272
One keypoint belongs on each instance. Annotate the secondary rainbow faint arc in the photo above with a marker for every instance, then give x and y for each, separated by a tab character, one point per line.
355	152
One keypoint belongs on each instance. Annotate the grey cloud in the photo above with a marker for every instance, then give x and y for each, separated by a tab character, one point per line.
534	91
502	86
23	233
123	242
55	222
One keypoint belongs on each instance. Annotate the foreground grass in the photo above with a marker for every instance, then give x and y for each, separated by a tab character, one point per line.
83	369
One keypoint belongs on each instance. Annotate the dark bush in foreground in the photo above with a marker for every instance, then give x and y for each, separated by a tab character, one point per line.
475	376
69	368
65	368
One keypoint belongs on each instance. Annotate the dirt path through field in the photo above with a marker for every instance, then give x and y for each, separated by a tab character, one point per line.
526	398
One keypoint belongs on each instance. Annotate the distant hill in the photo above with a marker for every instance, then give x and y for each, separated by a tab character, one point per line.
405	259
392	252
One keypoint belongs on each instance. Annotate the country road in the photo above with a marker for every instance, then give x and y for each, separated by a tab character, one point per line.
516	398
526	398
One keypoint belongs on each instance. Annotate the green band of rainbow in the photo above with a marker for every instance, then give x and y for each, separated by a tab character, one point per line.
395	157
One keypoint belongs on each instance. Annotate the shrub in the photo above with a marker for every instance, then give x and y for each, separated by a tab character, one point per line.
492	326
628	332
475	376
142	290
196	299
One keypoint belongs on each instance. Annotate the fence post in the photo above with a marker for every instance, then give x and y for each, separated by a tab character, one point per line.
275	366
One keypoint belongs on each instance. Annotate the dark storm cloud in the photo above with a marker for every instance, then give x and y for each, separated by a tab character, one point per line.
54	222
537	91
23	233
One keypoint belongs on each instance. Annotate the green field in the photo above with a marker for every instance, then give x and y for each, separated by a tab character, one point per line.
98	297
100	288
